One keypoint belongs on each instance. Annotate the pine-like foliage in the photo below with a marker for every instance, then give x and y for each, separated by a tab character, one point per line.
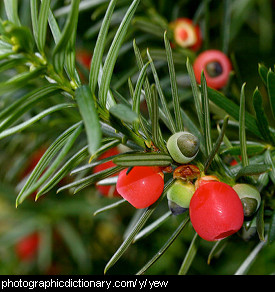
77	112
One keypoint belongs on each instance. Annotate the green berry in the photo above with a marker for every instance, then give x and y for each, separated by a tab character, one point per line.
183	147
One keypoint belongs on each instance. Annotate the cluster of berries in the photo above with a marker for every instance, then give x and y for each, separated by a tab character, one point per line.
216	209
186	34
214	63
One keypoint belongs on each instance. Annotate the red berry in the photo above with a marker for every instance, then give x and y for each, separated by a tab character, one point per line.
234	162
34	159
186	34
216	211
84	58
142	186
27	247
107	191
216	67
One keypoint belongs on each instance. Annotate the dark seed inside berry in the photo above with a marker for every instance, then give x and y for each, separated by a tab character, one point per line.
214	69
175	208
188	145
249	206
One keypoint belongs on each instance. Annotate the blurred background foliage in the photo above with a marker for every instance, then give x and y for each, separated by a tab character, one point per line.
72	239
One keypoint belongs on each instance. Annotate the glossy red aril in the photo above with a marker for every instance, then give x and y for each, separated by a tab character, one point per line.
187	34
107	191
27	247
216	211
142	186
216	67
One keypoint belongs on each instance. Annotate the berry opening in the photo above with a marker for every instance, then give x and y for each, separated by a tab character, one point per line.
187	34
214	69
225	234
216	66
183	34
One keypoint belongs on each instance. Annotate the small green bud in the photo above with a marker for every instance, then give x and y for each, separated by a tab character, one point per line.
16	48
73	84
250	198
183	147
20	36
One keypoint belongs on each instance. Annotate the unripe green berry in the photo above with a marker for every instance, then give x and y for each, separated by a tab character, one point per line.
250	198
181	193
183	147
